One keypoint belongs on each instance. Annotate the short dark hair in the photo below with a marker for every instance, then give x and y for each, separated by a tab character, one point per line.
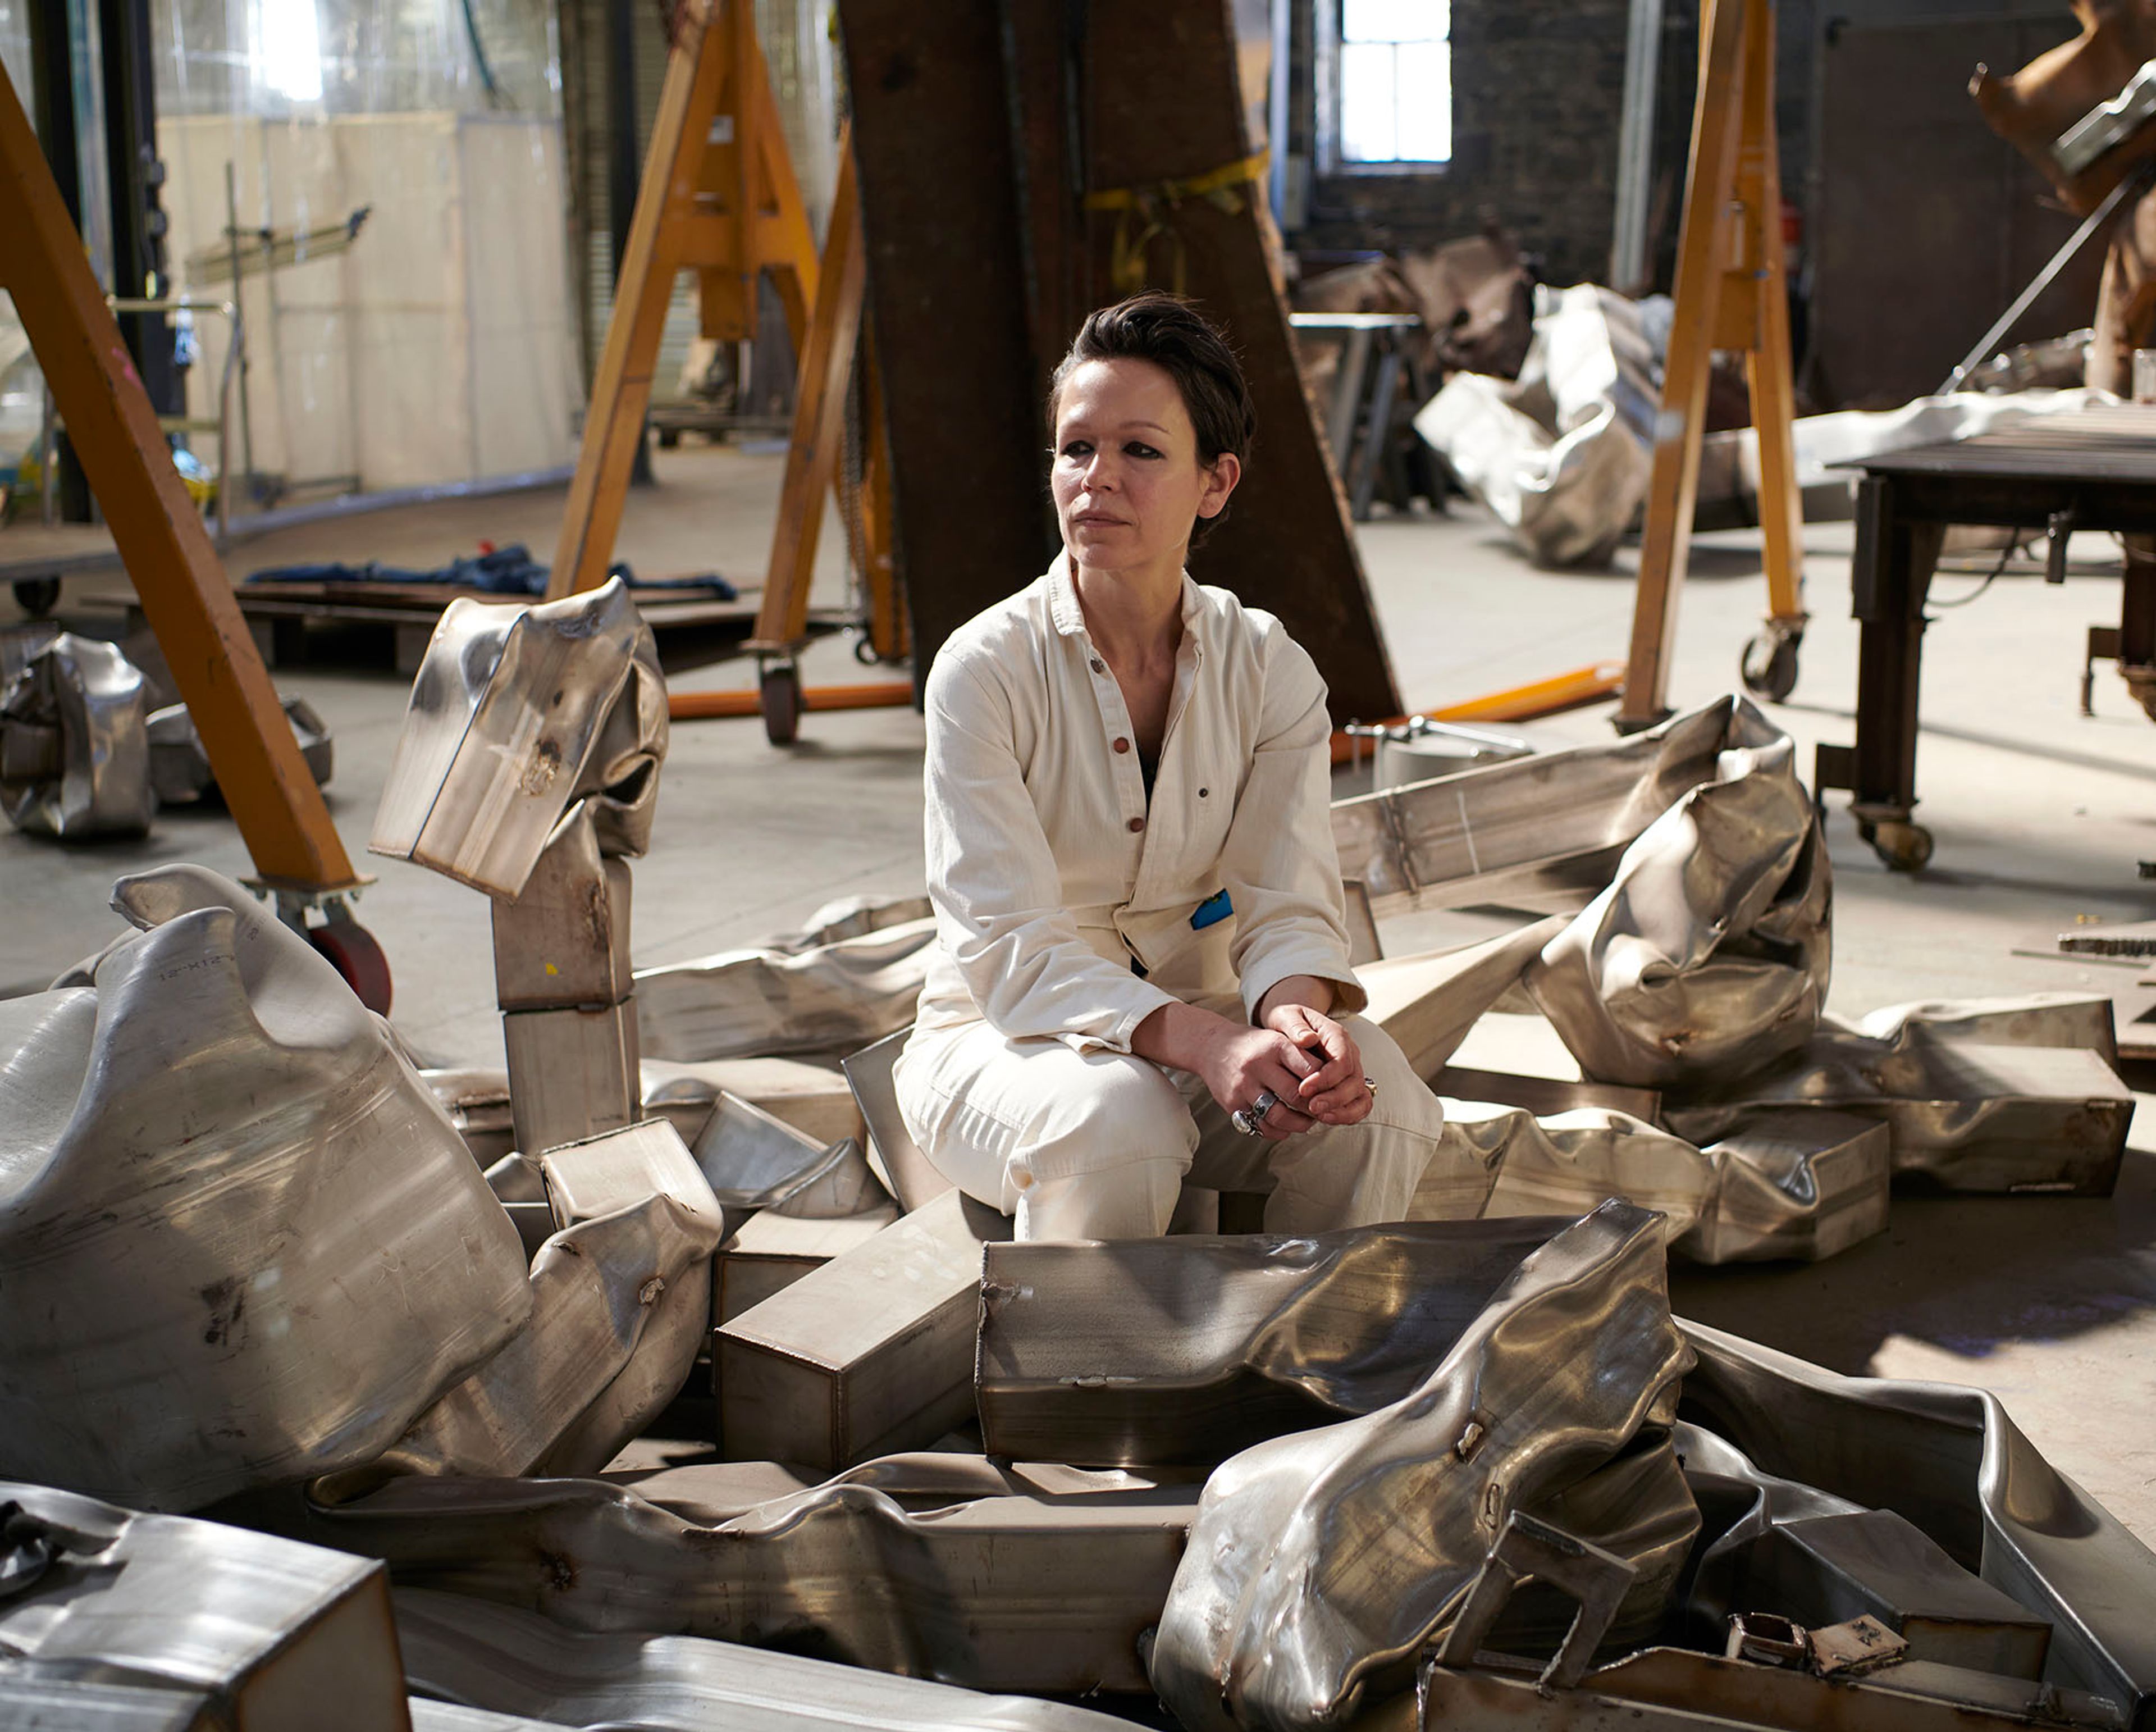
1170	331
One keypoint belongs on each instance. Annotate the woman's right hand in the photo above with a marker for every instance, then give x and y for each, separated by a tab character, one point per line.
1242	1062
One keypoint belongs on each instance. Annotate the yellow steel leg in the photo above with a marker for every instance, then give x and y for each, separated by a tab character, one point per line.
185	595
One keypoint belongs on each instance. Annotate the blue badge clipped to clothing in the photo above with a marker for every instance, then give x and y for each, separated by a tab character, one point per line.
1214	909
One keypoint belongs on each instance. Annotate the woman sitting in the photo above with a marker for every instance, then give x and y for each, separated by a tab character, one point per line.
1142	968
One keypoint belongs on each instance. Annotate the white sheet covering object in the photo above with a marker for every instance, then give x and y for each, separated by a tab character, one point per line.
239	1242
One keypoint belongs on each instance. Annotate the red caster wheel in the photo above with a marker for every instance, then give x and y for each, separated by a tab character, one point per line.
353	953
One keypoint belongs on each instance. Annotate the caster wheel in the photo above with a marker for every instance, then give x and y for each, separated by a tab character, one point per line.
779	694
864	651
1904	847
37	596
1770	666
353	953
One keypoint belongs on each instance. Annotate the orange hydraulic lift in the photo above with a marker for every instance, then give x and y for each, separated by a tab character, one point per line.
185	595
1732	293
719	197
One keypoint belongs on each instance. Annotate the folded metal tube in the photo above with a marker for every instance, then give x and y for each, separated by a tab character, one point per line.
180	773
619	1308
501	1659
1428	1003
870	1354
754	1159
1543	833
1961	1116
563	941
102	1607
1304	1585
573	1073
943	1566
827	998
1804	1186
1949	1461
74	743
1186	1351
812	1098
1707	957
518	711
1819	1560
240	1243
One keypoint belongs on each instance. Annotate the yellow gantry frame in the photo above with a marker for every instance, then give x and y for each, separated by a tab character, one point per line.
1732	293
723	201
177	576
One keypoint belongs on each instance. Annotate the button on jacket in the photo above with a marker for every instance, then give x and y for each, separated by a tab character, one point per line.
1064	898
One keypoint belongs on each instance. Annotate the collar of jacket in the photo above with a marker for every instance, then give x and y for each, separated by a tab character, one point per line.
1069	618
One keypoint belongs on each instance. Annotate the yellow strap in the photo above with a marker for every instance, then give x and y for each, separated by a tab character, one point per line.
1155	203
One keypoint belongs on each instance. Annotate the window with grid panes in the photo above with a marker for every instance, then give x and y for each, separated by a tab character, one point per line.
1395	82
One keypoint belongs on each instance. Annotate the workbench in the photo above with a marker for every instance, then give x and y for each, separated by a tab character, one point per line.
2054	475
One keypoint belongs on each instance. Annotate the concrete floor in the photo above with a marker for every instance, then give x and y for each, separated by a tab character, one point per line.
2040	814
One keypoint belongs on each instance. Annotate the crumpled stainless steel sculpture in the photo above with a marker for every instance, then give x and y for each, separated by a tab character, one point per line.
229	1628
1428	1003
1804	1185
1543	833
931	1565
1185	1350
1805	1555
239	1242
1503	1161
1561	456
1972	1097
1949	1460
1322	1560
835	997
74	748
619	1307
518	712
505	1659
753	1160
180	771
1707	957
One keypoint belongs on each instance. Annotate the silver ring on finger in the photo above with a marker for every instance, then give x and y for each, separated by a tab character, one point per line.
1264	1103
1246	1122
1370	1084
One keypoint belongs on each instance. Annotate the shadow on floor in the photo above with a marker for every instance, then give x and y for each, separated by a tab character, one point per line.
1968	1274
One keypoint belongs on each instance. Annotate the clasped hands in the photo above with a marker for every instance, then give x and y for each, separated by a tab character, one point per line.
1295	1051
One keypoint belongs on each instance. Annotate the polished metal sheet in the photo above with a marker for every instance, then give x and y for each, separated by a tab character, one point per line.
872	1353
1563	1164
1560	455
1303	1583
1817	1559
1962	1116
1806	1185
772	1250
518	712
563	941
269	1631
1185	1350
813	1099
755	1160
1668	1690
620	1307
520	1664
75	744
932	1565
2036	1019
63	1704
180	771
1951	1461
240	1243
476	1099
573	1073
825	998
1542	832
1428	1003
1707	957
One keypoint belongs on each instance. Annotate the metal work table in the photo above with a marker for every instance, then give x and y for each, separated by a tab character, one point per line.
1358	420
2057	475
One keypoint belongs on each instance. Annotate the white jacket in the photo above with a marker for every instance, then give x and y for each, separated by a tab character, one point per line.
1049	873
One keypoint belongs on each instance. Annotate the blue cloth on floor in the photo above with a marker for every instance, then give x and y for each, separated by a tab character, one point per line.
506	571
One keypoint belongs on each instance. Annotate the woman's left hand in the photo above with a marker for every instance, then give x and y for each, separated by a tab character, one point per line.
1335	1093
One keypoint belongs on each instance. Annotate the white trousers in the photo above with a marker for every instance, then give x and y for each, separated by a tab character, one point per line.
1096	1145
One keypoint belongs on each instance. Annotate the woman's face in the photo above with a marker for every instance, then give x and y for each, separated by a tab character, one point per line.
1128	478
